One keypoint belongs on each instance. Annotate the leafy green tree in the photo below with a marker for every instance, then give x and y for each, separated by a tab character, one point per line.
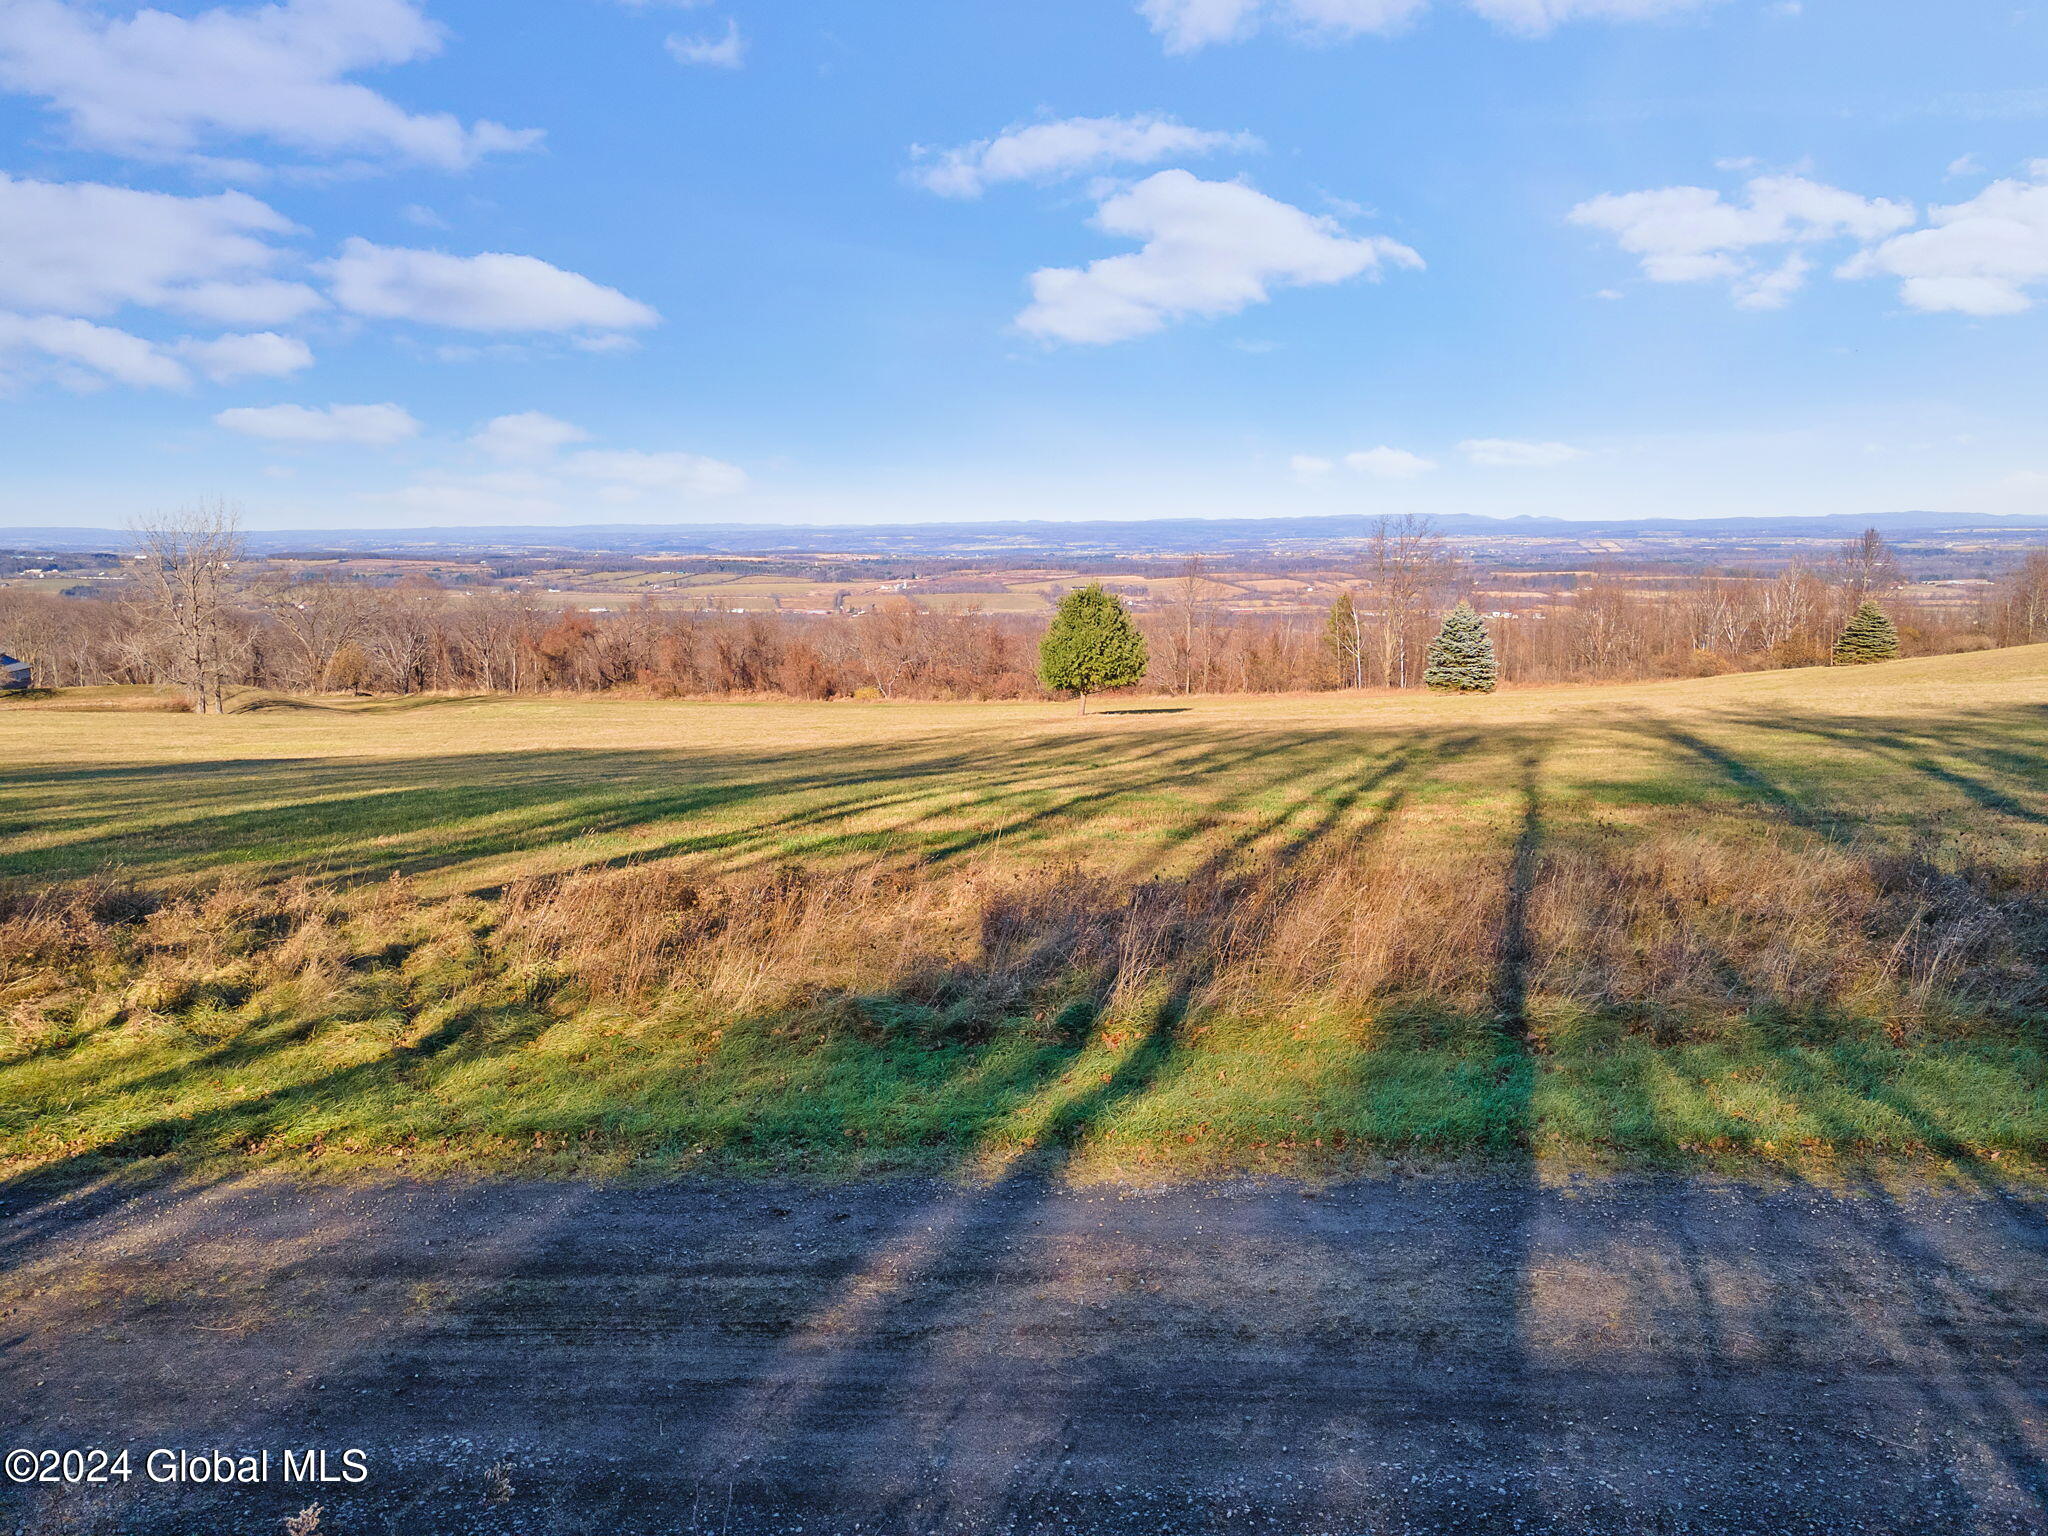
1870	635
1461	656
1345	638
1092	645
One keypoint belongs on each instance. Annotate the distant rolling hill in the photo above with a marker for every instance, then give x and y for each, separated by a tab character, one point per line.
1154	536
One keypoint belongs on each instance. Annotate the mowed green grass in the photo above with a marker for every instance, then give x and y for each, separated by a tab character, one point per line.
422	1041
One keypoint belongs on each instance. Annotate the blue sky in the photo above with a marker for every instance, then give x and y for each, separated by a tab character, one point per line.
385	263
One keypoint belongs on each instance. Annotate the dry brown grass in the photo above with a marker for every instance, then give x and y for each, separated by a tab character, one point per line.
657	1011
1682	931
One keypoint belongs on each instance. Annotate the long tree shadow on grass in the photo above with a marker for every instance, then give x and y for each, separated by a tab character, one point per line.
1157	941
1991	761
1165	939
1971	1453
255	1052
948	795
176	1142
250	1053
1973	1388
908	1290
1978	758
881	1349
1964	1451
1969	1456
358	819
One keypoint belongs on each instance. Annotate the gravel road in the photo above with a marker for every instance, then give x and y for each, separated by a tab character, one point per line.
1406	1355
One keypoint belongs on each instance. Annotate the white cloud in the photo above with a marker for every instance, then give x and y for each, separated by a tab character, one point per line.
1351	18
1187	25
1382	463
1048	151
84	355
1507	453
1534	18
80	248
528	436
506	496
1980	257
1210	248
727	52
88	355
493	292
562	490
1385	463
263	354
1693	234
1190	24
626	474
83	251
1965	165
374	425
1773	289
1974	258
162	86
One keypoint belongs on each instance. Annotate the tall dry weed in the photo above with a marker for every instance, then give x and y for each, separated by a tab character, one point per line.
1675	935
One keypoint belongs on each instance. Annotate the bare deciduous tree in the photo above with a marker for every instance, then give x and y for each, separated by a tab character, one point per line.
1865	567
319	617
2018	610
1409	571
186	569
1189	653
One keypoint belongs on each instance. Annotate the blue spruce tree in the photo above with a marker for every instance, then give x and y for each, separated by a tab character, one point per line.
1461	656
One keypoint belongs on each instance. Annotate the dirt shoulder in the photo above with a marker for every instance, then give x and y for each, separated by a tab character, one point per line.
1399	1356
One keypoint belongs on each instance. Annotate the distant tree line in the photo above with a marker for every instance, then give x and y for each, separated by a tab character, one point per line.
194	615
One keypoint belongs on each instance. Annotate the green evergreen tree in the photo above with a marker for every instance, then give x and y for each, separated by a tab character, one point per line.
1461	655
1092	645
1345	639
1870	635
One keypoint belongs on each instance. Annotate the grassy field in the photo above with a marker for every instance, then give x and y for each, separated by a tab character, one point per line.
1797	917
